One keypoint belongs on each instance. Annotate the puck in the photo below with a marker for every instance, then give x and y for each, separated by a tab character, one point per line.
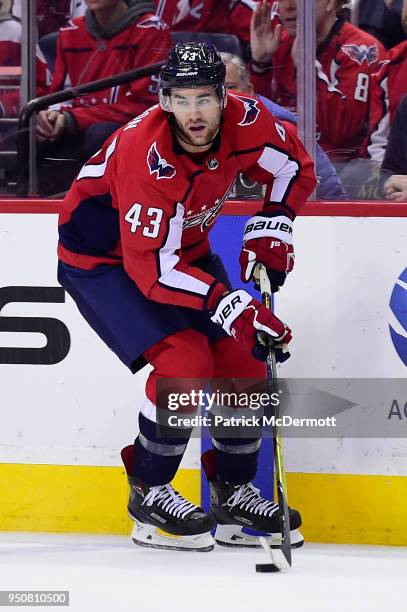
266	567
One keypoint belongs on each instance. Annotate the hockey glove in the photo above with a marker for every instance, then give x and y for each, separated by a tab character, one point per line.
268	240
251	323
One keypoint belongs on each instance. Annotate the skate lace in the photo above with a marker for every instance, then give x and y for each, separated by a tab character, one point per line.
169	500
247	497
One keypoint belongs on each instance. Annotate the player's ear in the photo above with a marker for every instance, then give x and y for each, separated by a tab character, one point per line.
225	100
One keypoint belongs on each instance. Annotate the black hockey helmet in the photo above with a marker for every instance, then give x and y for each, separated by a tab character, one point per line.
192	64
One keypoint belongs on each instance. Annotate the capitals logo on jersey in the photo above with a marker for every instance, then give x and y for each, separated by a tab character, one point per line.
361	53
208	213
159	165
251	111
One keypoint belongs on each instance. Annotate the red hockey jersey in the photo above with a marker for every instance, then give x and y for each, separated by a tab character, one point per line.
10	55
144	203
225	16
345	63
388	86
83	56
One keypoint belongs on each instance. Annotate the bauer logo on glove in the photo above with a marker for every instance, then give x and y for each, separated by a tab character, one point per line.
251	323
256	224
267	240
229	308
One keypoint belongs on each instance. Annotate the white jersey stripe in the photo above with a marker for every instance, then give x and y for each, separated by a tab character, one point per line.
97	170
168	260
380	136
283	169
331	84
250	3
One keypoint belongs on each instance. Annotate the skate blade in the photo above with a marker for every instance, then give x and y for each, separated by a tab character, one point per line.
150	536
234	536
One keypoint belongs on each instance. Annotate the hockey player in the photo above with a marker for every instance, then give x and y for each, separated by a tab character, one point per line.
346	57
135	256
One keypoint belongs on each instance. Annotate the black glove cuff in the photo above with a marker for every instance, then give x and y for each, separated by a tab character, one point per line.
271	209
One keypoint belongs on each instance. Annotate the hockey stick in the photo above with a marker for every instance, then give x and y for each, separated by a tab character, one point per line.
281	557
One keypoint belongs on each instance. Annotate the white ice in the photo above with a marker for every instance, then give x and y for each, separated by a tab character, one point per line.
109	573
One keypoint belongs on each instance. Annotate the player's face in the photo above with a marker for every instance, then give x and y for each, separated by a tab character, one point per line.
197	113
288	13
234	81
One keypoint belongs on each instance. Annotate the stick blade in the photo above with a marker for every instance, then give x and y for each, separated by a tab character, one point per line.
277	556
263	568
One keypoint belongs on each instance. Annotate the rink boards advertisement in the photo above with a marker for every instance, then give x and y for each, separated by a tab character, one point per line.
69	405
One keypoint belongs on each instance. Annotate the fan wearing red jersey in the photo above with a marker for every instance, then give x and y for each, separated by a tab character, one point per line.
135	256
113	36
226	16
10	55
346	58
388	87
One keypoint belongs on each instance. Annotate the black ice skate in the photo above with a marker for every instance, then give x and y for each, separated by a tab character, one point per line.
242	514
163	518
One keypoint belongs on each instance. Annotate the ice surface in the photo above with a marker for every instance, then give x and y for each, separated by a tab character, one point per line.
109	573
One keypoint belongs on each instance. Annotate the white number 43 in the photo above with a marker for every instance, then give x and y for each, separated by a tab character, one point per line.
152	229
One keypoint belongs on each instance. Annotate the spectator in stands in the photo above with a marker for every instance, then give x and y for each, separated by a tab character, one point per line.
51	15
346	59
10	55
395	159
113	36
387	88
238	79
221	16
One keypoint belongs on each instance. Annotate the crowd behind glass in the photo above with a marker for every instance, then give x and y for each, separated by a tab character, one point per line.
361	81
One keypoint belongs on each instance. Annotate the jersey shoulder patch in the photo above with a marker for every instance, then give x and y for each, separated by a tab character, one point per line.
251	110
159	165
